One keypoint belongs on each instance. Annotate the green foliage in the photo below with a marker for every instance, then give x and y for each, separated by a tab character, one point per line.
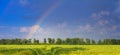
93	42
100	42
49	40
45	41
59	41
88	41
36	41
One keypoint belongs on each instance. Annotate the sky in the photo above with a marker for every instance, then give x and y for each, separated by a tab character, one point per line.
94	19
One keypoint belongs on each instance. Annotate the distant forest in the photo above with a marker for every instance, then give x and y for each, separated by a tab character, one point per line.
59	41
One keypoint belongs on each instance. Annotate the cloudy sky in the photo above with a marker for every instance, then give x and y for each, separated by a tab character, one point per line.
95	19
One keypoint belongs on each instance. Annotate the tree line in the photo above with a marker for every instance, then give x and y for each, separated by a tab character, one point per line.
59	41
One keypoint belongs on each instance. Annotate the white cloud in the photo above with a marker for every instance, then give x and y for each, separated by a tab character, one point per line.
24	29
100	14
86	27
29	29
95	16
104	13
32	30
103	22
62	25
35	27
59	30
113	28
83	31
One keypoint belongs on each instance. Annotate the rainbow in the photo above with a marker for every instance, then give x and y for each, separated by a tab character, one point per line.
45	14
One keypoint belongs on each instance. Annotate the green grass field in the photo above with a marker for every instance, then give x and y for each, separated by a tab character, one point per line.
59	49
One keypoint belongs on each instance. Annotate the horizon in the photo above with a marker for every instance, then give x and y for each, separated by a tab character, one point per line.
60	19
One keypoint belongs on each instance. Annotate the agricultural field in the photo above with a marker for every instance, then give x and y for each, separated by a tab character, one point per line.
59	49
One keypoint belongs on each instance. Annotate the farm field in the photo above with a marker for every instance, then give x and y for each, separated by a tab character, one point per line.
59	49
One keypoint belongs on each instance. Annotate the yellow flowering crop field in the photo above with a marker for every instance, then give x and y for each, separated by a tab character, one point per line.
59	49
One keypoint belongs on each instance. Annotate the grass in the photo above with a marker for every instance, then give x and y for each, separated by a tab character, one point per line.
59	49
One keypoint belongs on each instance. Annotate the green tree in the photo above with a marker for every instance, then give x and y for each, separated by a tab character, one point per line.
49	40
88	41
93	42
75	41
36	41
114	41
81	41
107	41
24	41
53	41
58	41
29	41
118	42
63	42
68	41
100	42
45	41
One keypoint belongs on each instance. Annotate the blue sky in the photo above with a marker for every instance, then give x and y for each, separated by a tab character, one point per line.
95	19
